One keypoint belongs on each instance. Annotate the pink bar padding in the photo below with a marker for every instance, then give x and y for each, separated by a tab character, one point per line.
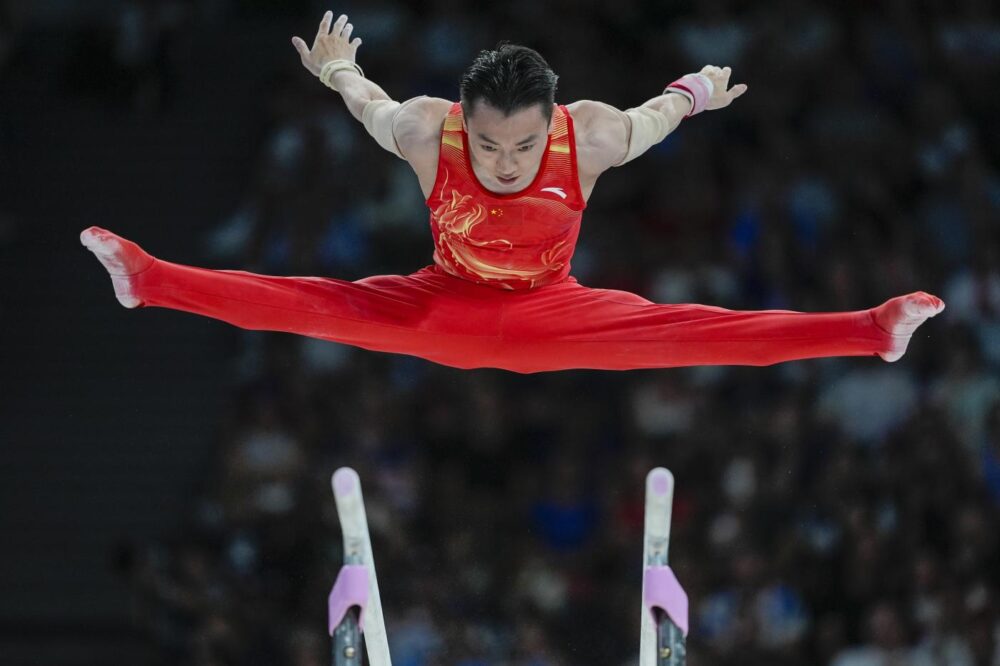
661	483
698	87
350	589
662	590
343	481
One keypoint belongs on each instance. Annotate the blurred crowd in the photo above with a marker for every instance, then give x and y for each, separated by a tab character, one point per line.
843	512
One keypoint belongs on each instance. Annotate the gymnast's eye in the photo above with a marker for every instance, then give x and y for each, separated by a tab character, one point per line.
525	149
487	148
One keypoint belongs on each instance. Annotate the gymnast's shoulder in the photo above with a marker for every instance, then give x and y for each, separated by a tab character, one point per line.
601	132
420	119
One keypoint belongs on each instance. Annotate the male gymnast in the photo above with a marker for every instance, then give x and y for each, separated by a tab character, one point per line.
506	173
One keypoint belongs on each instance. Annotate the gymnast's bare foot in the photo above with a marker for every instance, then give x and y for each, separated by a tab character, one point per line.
121	258
900	317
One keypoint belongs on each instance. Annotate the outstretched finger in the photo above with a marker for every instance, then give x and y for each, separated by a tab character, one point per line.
324	27
356	43
348	29
300	46
738	90
339	25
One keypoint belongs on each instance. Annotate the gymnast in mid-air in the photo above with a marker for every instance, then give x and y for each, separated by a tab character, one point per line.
506	173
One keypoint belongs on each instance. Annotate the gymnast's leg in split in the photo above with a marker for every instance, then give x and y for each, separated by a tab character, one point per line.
461	324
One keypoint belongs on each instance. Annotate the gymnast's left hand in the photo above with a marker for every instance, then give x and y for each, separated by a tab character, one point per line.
722	95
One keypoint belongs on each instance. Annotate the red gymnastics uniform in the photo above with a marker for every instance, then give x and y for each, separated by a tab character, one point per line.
499	293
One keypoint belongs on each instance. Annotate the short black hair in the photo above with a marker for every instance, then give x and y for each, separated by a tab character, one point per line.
509	78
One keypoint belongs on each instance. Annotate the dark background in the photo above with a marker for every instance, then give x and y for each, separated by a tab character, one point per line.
164	479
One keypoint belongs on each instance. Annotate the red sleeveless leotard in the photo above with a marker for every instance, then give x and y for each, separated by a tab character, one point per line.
519	240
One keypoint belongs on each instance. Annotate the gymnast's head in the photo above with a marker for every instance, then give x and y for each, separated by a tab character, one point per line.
507	99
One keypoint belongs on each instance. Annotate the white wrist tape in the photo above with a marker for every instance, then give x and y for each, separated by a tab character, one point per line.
649	127
326	73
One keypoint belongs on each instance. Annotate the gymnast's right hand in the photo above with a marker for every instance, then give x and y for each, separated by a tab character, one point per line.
329	44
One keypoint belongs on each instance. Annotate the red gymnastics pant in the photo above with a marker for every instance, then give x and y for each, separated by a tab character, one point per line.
459	323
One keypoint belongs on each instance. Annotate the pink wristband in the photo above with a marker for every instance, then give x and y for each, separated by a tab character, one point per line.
696	87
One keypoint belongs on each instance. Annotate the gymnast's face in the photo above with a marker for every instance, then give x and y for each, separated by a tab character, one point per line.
506	151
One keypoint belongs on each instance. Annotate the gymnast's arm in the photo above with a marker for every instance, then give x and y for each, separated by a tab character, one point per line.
604	133
410	130
607	137
335	44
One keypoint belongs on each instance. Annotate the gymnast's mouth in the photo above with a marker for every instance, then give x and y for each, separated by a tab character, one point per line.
507	181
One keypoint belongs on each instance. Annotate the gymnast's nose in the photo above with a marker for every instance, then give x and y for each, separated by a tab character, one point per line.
505	165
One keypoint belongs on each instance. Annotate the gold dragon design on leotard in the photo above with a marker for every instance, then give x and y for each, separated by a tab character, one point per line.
458	217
